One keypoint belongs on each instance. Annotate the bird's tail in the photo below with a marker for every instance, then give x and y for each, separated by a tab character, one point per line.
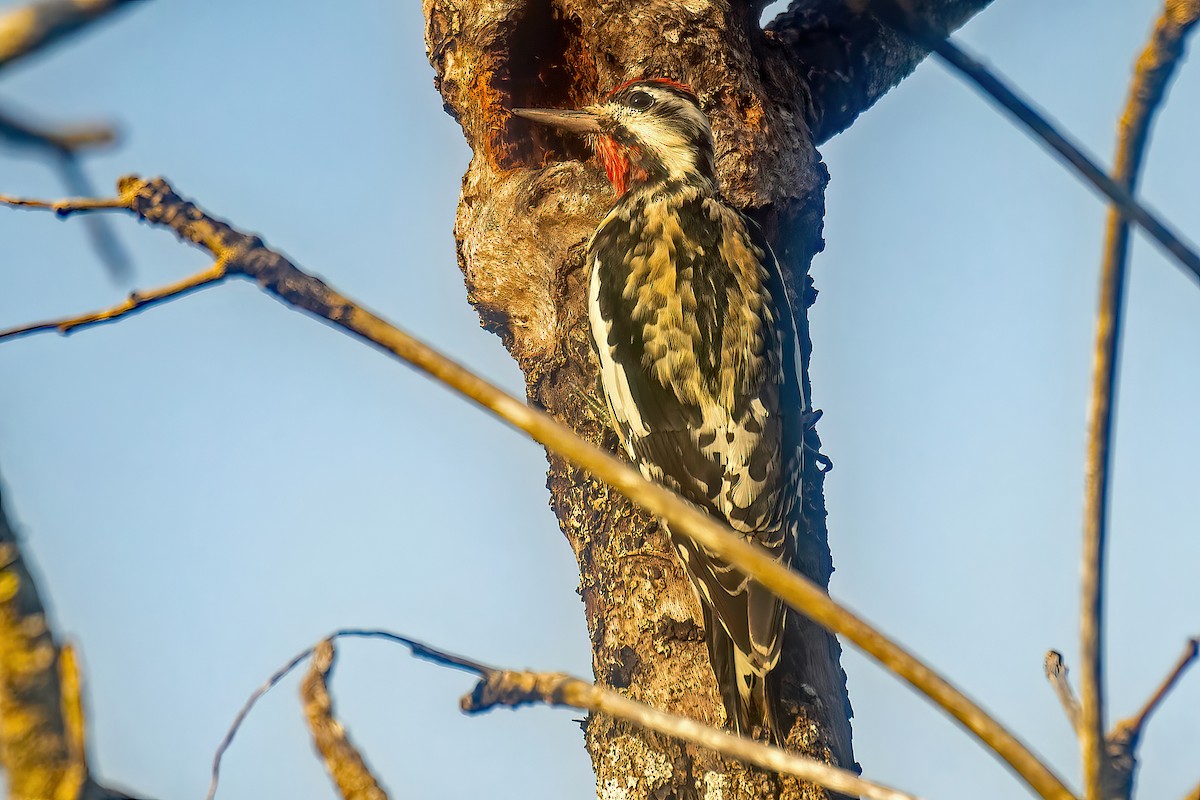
749	695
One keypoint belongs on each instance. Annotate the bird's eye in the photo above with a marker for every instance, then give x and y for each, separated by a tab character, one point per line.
640	101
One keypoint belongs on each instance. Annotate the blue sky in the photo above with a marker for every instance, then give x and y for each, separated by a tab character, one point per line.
211	486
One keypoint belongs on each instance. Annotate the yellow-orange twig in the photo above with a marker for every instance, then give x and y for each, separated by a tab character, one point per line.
136	301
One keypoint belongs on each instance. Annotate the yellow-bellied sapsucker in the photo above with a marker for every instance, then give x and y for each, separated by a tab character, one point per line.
697	350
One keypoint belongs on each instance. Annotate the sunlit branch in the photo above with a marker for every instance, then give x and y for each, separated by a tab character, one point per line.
42	724
512	688
136	301
1152	75
155	202
30	28
343	761
1190	652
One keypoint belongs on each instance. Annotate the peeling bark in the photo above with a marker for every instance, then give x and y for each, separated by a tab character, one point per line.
531	199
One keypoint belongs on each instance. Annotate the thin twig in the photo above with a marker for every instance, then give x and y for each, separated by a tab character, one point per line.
156	203
513	688
64	148
23	133
1121	744
103	239
1190	652
136	301
1152	75
1056	673
418	649
1036	123
30	28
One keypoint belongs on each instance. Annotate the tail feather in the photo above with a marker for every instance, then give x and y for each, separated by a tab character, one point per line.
747	694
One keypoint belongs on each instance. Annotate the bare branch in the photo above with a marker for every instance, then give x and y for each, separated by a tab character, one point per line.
1190	652
1036	123
418	649
513	689
155	202
343	761
38	25
71	139
516	688
1120	745
1122	742
849	58
137	301
63	147
1152	75
41	738
1056	673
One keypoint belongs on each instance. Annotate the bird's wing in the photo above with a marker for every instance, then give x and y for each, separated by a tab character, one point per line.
699	372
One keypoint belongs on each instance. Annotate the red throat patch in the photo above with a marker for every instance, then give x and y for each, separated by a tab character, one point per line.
617	164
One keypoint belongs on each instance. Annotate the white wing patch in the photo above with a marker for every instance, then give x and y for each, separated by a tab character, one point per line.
622	408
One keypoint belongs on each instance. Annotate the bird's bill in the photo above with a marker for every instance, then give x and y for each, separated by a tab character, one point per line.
574	121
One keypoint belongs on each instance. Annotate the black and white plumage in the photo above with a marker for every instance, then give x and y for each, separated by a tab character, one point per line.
697	351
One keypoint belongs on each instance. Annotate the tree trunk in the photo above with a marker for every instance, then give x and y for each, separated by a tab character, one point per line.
530	201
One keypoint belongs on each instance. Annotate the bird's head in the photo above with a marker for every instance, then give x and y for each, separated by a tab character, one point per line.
646	132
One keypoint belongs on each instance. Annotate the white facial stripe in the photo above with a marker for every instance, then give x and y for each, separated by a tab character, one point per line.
666	141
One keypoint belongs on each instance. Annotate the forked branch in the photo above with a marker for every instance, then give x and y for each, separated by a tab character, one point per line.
1121	743
243	255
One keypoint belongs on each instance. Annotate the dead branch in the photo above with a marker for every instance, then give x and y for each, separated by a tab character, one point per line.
1122	741
512	688
155	202
893	13
1056	673
1152	75
31	28
342	760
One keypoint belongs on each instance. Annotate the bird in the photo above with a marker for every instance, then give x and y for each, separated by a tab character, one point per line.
699	369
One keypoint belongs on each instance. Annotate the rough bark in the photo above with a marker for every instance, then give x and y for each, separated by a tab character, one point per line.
530	201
